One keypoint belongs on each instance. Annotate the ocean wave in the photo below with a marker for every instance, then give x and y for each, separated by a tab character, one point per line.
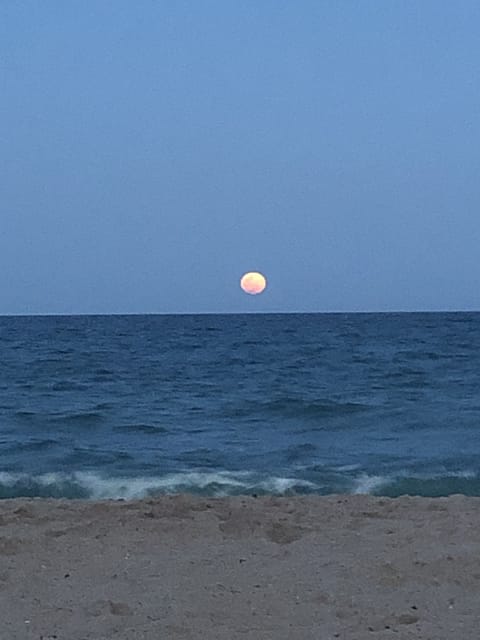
67	385
434	484
140	428
94	486
33	445
366	484
80	418
296	408
87	418
24	414
314	409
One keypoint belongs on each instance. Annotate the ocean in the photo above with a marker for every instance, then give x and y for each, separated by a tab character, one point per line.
97	407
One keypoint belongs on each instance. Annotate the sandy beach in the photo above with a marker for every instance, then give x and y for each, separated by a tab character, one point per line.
348	567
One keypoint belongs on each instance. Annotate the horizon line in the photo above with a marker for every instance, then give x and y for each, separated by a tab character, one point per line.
233	313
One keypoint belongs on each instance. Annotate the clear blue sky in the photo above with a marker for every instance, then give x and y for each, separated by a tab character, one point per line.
153	151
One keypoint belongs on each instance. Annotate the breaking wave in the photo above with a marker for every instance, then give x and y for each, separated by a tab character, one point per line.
432	485
94	486
89	485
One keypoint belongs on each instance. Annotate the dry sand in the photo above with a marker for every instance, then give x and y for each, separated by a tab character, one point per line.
241	568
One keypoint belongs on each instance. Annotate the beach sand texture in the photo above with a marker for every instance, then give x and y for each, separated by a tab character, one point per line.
348	567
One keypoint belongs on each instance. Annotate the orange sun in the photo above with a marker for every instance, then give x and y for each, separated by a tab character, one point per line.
253	283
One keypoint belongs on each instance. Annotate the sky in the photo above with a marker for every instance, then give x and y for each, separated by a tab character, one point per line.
151	152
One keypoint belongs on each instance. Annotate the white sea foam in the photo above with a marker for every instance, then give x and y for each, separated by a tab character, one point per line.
460	474
347	467
365	484
282	485
98	487
95	486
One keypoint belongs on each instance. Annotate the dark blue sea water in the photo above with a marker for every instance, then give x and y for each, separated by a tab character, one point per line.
130	406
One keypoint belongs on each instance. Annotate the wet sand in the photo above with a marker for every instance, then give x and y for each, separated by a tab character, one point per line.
351	567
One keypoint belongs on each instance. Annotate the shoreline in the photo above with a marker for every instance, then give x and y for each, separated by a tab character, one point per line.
338	566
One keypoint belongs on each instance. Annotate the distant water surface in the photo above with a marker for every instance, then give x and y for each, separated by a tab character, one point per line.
130	406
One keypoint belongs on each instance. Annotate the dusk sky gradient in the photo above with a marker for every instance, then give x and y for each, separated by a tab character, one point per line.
153	152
